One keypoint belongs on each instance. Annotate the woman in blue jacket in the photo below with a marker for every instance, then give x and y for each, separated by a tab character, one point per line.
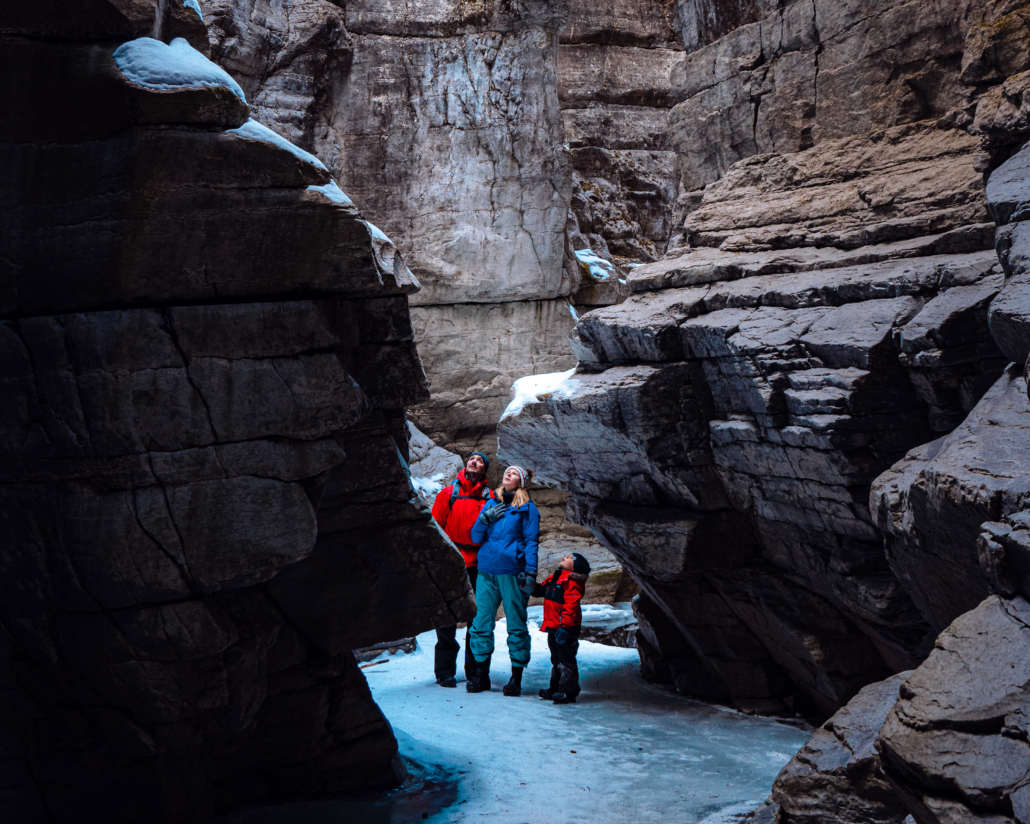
509	532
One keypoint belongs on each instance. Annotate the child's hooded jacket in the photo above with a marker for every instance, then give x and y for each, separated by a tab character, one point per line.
562	593
509	544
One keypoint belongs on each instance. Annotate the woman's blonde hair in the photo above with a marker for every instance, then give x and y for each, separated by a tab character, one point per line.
521	494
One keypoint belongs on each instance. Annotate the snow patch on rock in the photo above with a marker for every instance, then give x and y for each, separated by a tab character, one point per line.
255	131
432	467
531	388
193	4
597	267
333	192
175	66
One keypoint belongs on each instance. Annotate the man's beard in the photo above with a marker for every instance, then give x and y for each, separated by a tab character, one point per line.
474	477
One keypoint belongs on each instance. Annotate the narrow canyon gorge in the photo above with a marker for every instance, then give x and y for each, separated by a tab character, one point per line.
766	260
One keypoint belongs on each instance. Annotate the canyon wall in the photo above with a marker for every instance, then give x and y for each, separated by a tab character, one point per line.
803	433
204	500
821	309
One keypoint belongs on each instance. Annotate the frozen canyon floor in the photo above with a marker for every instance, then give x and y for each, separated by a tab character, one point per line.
626	753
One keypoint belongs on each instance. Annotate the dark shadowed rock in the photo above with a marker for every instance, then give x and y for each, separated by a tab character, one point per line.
931	505
837	778
955	744
205	355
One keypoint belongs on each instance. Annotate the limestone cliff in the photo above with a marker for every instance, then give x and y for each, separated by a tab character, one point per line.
204	503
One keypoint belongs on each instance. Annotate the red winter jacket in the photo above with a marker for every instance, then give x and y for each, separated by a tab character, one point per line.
456	521
562	593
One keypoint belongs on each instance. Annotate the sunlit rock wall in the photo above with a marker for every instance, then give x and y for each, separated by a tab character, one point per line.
204	503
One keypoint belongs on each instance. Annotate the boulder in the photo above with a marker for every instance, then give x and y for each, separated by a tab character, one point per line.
931	505
954	745
836	777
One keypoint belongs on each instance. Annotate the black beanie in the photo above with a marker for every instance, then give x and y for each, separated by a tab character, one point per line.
580	564
486	460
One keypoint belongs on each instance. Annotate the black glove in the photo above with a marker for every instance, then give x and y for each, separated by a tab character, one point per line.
561	636
494	513
526	582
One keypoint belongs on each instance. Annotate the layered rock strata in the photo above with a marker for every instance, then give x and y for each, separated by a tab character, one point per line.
614	83
720	439
822	308
204	499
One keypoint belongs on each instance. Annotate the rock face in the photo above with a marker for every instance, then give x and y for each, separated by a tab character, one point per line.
206	354
722	451
443	122
837	777
955	744
822	309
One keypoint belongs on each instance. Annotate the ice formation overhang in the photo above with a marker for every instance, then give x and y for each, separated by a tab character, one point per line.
255	131
529	389
193	4
167	67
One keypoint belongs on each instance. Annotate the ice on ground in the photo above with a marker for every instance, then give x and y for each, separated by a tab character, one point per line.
598	268
175	66
333	192
626	753
193	4
432	467
529	389
255	131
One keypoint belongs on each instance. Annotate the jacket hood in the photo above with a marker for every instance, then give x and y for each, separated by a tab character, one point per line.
579	576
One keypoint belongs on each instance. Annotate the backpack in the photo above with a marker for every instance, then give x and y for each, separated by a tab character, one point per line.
456	494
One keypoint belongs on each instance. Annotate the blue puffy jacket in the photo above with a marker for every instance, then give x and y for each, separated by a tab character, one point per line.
509	545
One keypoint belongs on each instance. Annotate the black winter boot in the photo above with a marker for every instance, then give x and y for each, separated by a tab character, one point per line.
481	680
568	685
548	693
514	685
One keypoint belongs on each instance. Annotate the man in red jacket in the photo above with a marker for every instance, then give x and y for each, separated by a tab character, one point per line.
455	509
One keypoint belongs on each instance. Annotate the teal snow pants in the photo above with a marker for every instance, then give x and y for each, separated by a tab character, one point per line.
491	591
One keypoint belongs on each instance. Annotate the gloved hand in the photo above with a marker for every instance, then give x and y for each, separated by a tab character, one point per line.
494	513
561	636
526	582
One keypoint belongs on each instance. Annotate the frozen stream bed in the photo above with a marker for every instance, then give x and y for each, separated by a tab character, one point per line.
626	753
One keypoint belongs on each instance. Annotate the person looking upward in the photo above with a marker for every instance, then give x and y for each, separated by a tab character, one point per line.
456	508
509	529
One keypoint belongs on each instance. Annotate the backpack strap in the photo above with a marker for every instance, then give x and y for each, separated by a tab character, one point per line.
486	495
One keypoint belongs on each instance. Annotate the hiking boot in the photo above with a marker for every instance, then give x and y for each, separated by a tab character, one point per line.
546	694
448	681
562	698
480	682
514	686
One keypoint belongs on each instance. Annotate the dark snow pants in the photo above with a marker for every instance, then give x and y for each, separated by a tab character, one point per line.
564	670
445	663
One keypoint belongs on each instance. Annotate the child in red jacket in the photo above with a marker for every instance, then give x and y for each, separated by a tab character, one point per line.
562	620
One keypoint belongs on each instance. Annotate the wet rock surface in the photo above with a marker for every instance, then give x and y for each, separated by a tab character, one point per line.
204	504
